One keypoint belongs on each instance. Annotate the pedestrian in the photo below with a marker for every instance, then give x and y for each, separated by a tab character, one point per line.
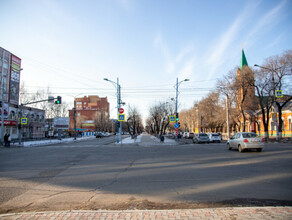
9	140
6	139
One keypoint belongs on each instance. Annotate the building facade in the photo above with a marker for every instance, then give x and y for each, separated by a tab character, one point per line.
10	68
252	112
92	113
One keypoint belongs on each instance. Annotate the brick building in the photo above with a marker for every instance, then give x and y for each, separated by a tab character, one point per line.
92	113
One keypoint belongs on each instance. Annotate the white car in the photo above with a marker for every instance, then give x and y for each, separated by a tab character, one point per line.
246	140
214	137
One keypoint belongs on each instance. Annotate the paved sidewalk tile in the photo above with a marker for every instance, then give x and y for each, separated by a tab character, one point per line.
213	213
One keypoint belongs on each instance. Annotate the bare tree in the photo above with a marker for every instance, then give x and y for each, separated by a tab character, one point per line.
280	69
52	110
159	118
134	121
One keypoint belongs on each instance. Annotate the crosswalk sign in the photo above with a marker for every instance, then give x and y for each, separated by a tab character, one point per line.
23	121
172	118
279	94
121	117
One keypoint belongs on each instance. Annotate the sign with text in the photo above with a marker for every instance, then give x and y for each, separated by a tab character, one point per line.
14	80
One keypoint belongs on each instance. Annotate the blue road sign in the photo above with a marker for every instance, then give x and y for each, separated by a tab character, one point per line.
172	118
23	121
279	94
121	117
176	125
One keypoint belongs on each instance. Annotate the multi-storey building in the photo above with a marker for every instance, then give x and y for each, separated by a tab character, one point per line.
92	113
10	67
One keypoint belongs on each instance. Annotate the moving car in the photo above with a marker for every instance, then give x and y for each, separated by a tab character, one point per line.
201	138
214	137
246	140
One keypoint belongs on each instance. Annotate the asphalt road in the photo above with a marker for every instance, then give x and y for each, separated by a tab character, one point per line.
97	174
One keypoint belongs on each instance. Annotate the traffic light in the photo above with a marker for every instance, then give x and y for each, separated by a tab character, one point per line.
177	118
59	100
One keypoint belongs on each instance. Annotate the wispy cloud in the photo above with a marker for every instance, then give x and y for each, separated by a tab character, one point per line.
217	56
267	20
125	4
160	44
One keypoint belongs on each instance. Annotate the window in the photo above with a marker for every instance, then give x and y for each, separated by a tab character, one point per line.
290	124
249	135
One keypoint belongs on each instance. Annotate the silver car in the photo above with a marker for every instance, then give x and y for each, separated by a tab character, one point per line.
201	138
246	140
214	137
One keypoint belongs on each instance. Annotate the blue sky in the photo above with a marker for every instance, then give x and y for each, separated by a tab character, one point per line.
71	46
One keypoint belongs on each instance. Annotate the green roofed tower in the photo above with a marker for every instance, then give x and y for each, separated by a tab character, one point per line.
243	61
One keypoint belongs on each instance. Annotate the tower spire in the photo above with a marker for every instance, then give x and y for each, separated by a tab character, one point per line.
243	61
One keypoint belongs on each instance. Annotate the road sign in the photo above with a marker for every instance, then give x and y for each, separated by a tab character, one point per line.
121	110
176	125
121	117
172	118
23	121
274	117
279	94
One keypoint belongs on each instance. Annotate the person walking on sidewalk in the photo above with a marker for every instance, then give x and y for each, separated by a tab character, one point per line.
6	140
9	140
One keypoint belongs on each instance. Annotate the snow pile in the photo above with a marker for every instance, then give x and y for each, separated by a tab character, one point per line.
129	140
48	142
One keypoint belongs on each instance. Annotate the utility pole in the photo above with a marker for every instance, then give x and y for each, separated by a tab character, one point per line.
74	119
118	107
176	113
176	103
227	116
2	98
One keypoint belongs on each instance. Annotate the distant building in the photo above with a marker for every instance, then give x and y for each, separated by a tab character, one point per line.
92	113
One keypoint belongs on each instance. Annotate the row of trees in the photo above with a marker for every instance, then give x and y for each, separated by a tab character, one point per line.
52	110
246	96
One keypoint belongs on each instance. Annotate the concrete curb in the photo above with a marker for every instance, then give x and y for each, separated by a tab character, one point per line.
209	213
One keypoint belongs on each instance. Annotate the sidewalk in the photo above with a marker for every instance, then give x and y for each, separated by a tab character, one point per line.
48	142
213	213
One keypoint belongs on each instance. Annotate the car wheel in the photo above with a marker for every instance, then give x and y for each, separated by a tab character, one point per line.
228	146
240	149
259	149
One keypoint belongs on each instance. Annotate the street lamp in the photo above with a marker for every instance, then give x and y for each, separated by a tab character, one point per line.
176	102
117	85
274	87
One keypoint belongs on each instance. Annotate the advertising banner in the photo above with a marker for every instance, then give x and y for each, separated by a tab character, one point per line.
14	80
61	123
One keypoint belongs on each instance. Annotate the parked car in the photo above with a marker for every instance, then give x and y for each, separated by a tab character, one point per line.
246	140
201	138
214	137
98	135
190	135
185	135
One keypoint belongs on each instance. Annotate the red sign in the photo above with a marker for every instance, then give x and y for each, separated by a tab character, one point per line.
121	110
9	123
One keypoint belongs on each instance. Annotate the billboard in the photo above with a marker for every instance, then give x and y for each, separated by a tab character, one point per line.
61	123
14	80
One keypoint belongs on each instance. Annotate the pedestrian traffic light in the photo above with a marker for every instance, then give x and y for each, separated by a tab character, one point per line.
177	118
59	100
